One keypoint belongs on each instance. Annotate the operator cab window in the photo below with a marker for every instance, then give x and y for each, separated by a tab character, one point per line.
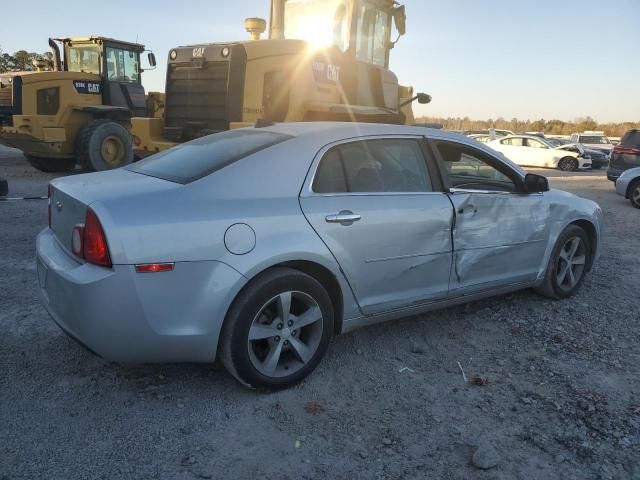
83	58
122	65
371	41
471	169
373	166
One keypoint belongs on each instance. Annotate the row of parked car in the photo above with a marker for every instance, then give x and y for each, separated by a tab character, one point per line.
582	151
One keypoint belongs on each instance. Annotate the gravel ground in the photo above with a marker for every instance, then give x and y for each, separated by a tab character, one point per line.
554	388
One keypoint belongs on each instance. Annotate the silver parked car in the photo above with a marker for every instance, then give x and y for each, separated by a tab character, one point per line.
628	185
257	245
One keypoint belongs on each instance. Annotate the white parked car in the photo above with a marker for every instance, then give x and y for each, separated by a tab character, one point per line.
594	140
531	151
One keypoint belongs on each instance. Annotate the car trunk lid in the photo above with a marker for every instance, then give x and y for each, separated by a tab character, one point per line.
70	196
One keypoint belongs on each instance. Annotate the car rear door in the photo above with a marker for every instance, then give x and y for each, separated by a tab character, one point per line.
500	233
378	205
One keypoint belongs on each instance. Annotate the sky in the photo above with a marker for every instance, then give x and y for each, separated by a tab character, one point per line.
563	59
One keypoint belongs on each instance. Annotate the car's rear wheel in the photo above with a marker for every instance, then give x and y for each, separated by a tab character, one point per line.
568	164
51	165
568	264
634	193
277	330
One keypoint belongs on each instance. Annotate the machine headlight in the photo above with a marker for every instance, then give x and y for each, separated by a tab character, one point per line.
225	52
173	54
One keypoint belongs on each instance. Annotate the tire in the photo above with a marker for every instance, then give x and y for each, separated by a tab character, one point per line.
104	145
555	285
568	164
634	193
4	187
51	165
257	309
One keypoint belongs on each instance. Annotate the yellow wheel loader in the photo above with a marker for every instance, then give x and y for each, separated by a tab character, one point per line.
76	110
322	60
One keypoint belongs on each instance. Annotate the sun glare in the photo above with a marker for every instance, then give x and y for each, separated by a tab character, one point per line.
316	30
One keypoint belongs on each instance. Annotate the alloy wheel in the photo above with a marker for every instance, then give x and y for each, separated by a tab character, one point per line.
571	263
635	195
285	334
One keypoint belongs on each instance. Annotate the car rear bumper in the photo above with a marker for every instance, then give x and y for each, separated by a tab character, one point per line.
133	317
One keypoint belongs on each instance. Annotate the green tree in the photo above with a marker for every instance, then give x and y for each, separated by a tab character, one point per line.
22	61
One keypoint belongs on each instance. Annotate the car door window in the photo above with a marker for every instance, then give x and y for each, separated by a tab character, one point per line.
471	169
373	166
535	143
513	141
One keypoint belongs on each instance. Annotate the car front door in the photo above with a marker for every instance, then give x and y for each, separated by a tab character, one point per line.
378	205
500	233
539	153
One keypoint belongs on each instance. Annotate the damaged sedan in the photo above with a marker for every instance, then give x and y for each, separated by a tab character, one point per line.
256	246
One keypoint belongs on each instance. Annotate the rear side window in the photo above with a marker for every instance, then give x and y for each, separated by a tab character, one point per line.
513	141
631	139
203	156
373	166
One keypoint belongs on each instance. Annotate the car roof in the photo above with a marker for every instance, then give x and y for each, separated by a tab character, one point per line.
524	135
335	131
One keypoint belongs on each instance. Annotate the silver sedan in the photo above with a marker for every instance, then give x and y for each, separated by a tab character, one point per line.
256	246
628	185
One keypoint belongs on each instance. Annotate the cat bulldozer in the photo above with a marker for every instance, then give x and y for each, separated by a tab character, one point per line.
76	109
322	60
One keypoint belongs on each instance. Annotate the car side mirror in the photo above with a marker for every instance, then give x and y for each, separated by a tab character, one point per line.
535	183
152	59
400	19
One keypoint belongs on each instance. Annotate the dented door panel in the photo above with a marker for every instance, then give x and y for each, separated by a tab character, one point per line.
499	238
396	254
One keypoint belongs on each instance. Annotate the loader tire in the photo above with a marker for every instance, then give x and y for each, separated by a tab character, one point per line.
51	165
104	145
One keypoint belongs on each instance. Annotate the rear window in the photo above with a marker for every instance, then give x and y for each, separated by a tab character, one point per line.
203	156
594	139
631	139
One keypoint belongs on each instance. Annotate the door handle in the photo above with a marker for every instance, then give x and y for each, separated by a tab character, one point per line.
469	209
345	217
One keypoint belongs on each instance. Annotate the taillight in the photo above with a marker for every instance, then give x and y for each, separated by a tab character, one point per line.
89	242
49	204
94	243
625	151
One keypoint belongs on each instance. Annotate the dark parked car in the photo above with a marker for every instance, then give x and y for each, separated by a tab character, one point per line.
626	155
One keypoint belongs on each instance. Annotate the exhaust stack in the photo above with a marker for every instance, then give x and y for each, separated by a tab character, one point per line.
56	55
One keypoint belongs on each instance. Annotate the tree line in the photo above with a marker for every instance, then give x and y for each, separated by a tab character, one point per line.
21	60
549	127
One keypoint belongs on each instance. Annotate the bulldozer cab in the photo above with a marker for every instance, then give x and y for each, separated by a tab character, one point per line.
359	28
115	61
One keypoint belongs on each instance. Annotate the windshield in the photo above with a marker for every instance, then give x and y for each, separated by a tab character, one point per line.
597	139
203	156
321	23
83	58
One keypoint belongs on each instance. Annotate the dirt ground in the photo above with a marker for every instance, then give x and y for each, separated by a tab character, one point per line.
553	391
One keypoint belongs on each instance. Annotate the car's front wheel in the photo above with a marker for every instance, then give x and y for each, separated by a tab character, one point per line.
277	330
568	264
568	164
634	193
